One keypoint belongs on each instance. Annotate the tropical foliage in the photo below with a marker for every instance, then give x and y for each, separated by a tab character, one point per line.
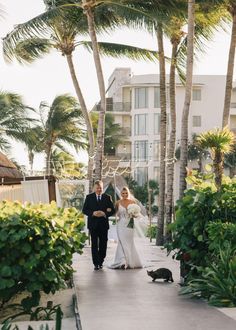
64	165
202	235
217	281
13	118
220	142
37	243
60	122
113	132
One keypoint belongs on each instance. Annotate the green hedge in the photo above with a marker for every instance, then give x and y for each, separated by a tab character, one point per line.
36	247
194	212
204	240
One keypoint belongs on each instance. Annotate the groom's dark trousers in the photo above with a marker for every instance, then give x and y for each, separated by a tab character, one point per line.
98	226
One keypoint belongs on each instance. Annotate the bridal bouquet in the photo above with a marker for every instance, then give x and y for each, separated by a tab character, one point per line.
133	212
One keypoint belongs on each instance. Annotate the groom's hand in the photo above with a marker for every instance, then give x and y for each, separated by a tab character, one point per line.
99	214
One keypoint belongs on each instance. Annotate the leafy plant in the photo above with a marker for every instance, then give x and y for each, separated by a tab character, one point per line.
8	326
195	211
217	282
151	231
36	314
36	247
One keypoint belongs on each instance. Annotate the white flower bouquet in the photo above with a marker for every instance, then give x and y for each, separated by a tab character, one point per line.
133	212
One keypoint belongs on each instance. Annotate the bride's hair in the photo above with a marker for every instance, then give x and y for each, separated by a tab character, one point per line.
128	191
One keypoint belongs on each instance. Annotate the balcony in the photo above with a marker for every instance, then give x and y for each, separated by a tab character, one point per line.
115	107
119	156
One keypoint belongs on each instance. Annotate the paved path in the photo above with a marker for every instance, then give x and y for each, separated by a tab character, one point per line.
128	300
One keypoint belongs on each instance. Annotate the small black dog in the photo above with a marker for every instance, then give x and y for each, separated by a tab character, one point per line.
164	273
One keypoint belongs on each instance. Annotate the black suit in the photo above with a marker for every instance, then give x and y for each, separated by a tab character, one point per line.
98	226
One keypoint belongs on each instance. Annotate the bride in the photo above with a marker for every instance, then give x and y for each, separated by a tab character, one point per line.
126	254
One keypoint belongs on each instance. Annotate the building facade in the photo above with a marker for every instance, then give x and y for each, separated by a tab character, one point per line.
134	100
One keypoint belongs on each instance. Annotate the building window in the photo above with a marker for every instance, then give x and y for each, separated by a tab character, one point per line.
140	124
141	175
157	123
141	150
197	121
157	97
197	94
156	150
141	98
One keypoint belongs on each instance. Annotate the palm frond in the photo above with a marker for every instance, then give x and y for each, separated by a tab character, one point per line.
222	139
26	51
118	50
46	25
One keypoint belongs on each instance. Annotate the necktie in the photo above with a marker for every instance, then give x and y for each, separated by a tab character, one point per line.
99	198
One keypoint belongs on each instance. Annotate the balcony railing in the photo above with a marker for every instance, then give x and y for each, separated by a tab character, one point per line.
116	106
122	157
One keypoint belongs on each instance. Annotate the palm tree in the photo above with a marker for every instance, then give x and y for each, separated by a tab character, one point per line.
195	153
187	101
220	142
114	134
57	29
31	138
62	122
175	35
13	118
231	6
89	10
26	43
88	7
64	165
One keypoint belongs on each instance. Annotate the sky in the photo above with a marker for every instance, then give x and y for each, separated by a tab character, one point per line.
49	77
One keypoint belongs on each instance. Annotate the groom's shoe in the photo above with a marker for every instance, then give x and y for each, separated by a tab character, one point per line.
96	267
101	266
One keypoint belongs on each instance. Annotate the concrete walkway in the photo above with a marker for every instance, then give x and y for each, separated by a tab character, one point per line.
128	300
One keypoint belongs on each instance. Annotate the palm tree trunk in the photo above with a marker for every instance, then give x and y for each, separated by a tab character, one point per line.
230	71
162	179
218	161
48	159
87	120
31	160
171	149
187	101
101	120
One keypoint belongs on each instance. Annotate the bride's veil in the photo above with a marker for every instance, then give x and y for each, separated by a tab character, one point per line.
141	224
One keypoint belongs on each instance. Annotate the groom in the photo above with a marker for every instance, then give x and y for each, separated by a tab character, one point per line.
98	207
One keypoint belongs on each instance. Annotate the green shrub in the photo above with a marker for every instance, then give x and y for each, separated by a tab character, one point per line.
151	231
36	247
217	282
220	235
198	208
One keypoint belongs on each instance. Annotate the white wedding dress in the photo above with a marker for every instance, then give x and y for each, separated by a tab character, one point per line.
126	253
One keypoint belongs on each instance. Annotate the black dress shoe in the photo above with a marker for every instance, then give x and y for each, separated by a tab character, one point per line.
96	267
101	266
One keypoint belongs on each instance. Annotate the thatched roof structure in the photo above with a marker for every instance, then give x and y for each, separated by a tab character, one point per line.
7	168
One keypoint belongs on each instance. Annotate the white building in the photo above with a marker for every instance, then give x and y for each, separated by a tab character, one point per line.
134	101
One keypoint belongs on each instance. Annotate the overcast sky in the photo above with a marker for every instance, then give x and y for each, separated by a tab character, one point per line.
49	76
